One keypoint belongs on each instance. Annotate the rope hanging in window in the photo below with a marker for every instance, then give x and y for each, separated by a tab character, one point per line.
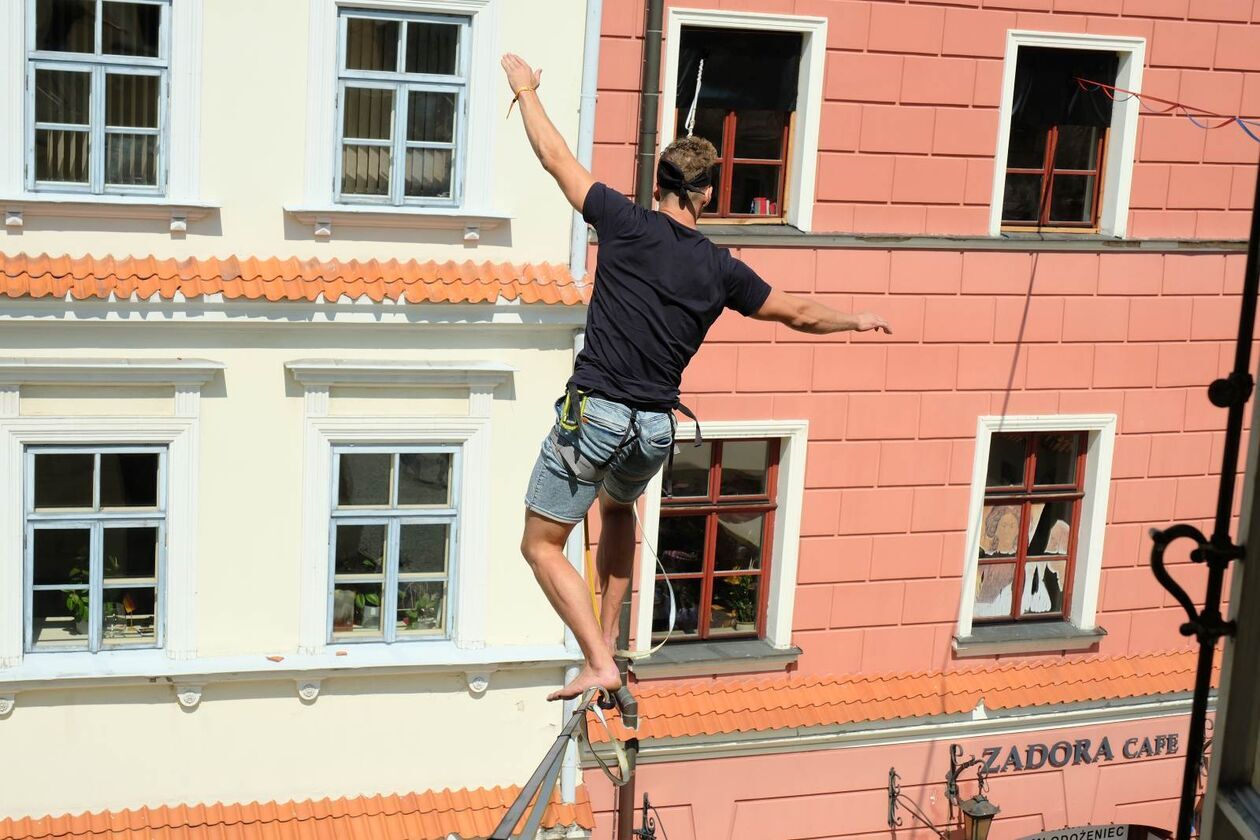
1250	127
690	122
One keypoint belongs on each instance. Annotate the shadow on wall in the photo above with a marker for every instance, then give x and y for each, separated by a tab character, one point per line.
1019	337
499	235
107	222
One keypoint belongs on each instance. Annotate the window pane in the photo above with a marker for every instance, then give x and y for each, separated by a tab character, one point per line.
1050	528
63	481
432	48
1026	148
754	187
999	530
1056	459
356	610
709	124
371	44
1043	587
687	597
360	549
1077	147
744	466
369	114
431	116
364	479
1006	461
130	616
422	549
424	478
735	601
65	25
60	555
994	586
131	160
62	96
682	543
131	101
61	156
129	479
421	608
130	553
759	134
365	170
691	470
739	541
130	28
429	173
1073	198
53	619
1021	200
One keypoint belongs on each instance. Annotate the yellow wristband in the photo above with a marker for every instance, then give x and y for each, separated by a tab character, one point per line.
518	96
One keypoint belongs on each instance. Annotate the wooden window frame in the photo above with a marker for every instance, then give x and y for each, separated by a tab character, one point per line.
727	163
1025	496
711	506
1048	172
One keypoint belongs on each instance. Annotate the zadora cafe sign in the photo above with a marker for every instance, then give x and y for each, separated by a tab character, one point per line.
1014	759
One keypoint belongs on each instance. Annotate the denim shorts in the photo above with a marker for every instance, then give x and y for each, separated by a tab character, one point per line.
619	449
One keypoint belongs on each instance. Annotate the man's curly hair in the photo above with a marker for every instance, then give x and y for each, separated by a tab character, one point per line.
692	155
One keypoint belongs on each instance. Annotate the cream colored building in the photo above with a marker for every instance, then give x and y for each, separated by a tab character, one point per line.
261	485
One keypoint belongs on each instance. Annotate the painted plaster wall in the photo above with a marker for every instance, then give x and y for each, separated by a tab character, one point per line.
843	792
252	158
910	120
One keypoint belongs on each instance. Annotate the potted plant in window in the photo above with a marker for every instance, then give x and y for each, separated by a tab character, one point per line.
423	613
743	601
368	605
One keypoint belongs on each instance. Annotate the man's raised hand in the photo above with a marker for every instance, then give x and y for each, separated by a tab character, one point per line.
519	74
871	321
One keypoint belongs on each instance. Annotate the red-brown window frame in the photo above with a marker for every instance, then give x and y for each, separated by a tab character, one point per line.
1048	172
1025	496
712	505
727	161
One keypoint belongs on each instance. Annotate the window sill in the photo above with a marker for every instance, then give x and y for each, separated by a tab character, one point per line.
1039	637
786	236
690	659
78	205
472	220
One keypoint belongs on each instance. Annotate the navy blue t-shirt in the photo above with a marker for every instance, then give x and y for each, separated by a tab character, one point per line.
659	286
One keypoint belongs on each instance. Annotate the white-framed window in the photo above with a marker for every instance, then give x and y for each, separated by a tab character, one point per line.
402	101
95	546
767	139
758	507
1065	152
97	75
1034	547
393	536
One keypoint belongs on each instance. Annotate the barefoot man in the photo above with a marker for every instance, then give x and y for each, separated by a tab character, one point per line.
659	286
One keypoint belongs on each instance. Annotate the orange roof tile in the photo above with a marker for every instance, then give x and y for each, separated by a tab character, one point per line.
415	816
143	278
686	708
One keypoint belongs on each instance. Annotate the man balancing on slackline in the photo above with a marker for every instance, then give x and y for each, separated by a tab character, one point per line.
659	286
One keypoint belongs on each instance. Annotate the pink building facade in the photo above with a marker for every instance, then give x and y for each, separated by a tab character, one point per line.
1082	325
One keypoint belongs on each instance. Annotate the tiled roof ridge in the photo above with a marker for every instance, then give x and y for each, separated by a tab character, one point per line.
218	814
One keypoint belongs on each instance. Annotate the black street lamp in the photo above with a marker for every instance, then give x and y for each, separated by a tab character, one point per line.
977	812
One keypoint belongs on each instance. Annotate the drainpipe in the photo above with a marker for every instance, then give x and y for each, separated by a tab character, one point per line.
649	104
586	129
570	768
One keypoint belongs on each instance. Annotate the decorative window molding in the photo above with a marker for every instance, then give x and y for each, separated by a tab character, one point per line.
179	200
793	438
1118	167
471	433
1100	429
319	202
803	154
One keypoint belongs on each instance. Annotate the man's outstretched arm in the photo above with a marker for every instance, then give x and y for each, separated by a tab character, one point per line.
807	316
552	151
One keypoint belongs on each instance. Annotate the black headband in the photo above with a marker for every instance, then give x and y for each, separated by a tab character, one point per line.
670	177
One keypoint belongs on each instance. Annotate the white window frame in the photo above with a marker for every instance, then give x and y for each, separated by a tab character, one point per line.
177	433
1101	431
803	155
793	437
1113	216
394	519
325	432
182	41
321	183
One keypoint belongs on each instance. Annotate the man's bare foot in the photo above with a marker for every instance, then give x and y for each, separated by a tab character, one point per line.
608	679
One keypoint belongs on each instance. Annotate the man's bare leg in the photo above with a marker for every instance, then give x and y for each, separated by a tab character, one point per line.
543	548
615	563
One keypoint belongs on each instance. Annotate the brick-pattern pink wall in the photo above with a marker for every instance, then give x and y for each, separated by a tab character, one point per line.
910	123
